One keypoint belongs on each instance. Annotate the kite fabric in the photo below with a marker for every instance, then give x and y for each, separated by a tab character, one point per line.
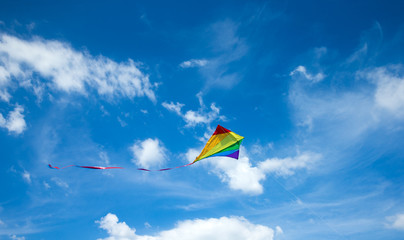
223	143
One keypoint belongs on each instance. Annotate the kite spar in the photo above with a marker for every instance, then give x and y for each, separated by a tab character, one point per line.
222	143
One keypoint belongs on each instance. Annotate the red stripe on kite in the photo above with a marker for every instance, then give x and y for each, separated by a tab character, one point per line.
220	130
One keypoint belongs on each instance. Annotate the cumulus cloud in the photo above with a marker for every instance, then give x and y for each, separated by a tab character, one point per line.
241	175
15	122
396	221
149	153
116	230
389	92
194	63
233	228
68	70
303	71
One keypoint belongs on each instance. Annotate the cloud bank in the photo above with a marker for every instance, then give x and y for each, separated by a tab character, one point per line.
234	228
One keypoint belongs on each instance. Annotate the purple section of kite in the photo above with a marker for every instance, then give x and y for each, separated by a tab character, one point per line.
234	155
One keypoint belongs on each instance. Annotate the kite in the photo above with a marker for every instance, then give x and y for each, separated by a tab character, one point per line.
222	143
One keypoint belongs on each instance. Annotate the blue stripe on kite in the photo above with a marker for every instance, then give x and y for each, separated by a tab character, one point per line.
223	154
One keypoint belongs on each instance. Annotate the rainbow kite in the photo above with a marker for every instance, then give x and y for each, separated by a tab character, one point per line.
222	143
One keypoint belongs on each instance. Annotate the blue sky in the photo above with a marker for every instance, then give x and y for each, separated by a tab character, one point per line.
315	87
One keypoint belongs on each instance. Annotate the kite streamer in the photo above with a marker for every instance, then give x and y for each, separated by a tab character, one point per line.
90	167
222	143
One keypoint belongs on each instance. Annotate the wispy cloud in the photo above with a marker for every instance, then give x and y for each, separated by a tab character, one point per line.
194	63
226	47
15	237
198	117
197	229
26	176
68	70
60	183
303	72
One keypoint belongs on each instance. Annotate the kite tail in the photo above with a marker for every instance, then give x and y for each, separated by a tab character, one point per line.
102	168
164	169
90	167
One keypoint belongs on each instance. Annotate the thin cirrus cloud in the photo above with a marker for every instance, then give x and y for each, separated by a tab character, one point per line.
355	111
234	228
65	69
226	48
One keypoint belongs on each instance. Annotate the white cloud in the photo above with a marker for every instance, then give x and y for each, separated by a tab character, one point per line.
173	107
287	166
397	221
26	176
239	174
15	122
233	228
193	118
116	230
303	71
389	92
243	176
194	63
14	237
199	117
5	96
69	70
149	153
